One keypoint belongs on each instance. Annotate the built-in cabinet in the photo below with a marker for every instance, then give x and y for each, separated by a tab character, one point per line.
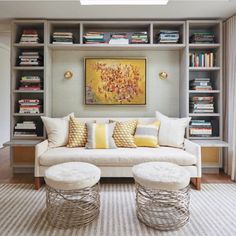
44	46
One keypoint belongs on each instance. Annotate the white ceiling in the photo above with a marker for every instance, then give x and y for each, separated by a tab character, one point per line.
179	9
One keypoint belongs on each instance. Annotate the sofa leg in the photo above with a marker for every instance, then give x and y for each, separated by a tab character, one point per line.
197	183
37	181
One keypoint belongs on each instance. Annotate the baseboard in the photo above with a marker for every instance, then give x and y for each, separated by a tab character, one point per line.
22	170
211	170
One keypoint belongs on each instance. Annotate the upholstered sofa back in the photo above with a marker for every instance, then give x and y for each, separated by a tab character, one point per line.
143	120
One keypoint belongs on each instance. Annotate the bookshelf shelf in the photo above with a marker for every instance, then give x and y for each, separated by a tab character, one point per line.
28	68
28	91
204	46
205	138
24	143
211	143
204	114
27	137
108	47
204	91
28	45
22	114
204	68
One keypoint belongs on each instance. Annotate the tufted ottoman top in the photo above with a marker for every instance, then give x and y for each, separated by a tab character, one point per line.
161	175
72	175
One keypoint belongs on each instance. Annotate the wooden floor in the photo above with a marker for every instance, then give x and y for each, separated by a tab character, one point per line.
6	175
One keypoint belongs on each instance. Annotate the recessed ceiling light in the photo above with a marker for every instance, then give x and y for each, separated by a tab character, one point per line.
123	2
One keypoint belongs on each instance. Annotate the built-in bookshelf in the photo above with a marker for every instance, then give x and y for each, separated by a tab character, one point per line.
204	79
49	35
131	33
28	79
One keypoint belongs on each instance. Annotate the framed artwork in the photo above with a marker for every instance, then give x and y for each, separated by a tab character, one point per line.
115	81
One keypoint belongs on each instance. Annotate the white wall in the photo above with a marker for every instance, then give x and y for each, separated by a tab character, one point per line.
68	95
4	82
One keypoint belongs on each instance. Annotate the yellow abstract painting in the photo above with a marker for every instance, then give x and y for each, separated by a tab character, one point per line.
115	81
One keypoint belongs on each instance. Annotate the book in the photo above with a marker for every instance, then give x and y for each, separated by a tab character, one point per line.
29	36
26	128
62	38
198	59
200	84
94	37
201	104
139	38
202	37
200	128
30	59
168	36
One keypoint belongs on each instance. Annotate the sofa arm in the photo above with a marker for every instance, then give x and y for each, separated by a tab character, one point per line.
40	148
194	149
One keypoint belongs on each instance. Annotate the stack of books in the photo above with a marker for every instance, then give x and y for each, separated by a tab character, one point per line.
29	36
94	38
201	84
202	37
202	104
30	83
200	128
26	128
29	106
168	36
119	38
201	59
30	59
139	37
62	38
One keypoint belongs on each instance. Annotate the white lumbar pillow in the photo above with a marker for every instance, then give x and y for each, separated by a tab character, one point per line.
57	130
172	130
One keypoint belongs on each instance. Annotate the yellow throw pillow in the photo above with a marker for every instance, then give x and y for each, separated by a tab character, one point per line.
77	133
124	133
147	135
100	136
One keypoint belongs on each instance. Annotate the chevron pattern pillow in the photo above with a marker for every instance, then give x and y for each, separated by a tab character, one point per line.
77	133
124	133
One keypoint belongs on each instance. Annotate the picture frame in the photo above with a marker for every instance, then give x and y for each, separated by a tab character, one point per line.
115	80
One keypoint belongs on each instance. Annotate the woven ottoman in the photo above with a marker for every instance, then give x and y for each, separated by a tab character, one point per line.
72	194
162	195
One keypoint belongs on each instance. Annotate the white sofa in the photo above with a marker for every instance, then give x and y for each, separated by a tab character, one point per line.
118	162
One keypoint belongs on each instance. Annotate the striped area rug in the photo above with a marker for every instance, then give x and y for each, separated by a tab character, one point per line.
22	213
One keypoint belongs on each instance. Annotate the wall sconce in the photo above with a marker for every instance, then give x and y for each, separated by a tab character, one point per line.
68	75
163	75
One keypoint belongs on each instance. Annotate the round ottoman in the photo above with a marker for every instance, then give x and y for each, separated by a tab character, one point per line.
72	194
162	195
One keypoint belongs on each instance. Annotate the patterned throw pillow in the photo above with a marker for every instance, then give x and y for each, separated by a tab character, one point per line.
77	133
147	135
124	133
100	136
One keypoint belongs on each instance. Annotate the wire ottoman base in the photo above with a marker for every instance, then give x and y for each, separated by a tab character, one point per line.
72	208
161	209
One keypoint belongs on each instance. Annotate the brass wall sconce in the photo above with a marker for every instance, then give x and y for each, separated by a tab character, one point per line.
163	75
68	75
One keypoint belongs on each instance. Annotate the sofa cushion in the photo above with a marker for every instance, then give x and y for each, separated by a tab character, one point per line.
57	130
172	130
147	135
77	133
100	136
124	133
117	157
